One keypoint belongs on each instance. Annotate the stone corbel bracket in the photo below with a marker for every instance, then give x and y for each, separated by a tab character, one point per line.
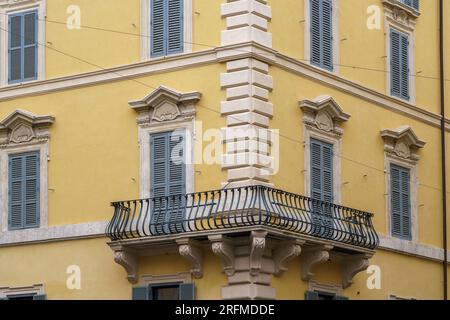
128	260
402	143
22	127
224	248
165	104
190	250
258	246
324	114
311	257
284	253
351	266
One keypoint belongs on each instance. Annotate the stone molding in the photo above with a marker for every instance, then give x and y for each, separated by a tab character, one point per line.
190	250
402	143
311	257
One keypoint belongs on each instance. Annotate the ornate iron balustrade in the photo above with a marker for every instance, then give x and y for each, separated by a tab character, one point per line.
241	207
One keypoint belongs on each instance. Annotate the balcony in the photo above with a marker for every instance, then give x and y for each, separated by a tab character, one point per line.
182	223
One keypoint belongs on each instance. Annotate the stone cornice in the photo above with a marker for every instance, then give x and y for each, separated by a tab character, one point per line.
217	55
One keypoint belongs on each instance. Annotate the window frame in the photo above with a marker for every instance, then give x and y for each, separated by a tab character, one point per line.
10	8
335	32
146	30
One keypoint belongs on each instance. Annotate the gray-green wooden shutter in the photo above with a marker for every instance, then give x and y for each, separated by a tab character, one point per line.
399	64
321	12
140	293
311	295
400	202
168	177
322	171
412	3
40	297
167	27
23	46
187	291
24	191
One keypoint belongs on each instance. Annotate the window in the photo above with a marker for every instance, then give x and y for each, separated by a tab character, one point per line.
399	43
319	295
24	181
25	297
400	202
168	291
321	171
34	292
411	3
168	180
321	25
23	46
166	27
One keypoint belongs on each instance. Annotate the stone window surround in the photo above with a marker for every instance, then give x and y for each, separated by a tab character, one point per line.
145	28
150	122
150	280
336	39
39	141
36	289
333	289
393	20
13	6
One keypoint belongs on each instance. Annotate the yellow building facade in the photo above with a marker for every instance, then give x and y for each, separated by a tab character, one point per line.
287	149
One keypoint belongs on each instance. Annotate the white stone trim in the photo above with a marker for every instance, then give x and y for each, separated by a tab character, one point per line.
334	289
54	233
414	184
336	39
311	133
145	28
15	6
36	289
390	24
182	277
396	297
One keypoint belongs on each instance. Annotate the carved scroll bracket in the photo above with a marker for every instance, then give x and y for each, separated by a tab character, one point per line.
223	247
284	253
351	266
258	246
128	261
311	257
190	250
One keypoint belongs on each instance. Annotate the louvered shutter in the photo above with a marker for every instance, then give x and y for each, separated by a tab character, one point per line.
158	28
140	293
415	4
327	34
400	202
311	295
322	33
167	181
167	27
40	297
24	191
23	46
399	64
187	291
175	27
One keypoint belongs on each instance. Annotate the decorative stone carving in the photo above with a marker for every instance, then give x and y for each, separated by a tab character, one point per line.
400	14
222	247
128	261
164	104
22	127
311	257
351	266
258	245
285	253
402	143
324	114
190	250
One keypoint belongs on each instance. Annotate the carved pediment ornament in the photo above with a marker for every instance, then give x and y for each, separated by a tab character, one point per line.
402	143
165	104
324	114
22	127
400	14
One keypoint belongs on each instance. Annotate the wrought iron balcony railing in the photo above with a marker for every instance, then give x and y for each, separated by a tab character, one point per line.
241	207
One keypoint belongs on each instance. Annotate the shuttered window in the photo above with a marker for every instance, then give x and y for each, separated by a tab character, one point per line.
322	33
400	202
22	46
23	191
411	3
399	64
168	175
184	291
167	27
321	171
